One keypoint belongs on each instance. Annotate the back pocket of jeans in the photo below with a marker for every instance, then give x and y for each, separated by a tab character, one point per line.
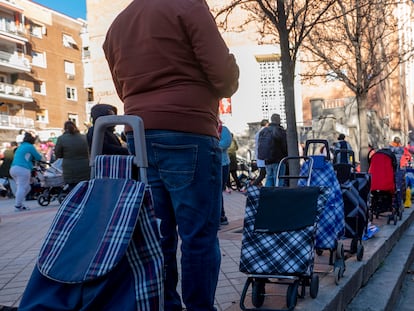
176	163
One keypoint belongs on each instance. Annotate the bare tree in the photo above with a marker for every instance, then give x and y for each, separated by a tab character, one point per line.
362	47
283	22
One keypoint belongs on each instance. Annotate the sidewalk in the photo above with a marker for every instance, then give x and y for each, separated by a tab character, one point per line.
21	235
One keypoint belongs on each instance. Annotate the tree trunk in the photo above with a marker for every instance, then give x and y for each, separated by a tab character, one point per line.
363	130
288	80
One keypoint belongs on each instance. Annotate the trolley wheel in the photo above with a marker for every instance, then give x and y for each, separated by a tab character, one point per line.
61	197
337	275
258	293
314	286
354	245
43	200
340	253
360	252
319	251
292	295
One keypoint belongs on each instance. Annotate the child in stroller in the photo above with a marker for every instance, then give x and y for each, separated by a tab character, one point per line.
386	186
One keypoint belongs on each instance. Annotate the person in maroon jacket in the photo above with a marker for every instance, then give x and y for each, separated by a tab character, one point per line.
171	66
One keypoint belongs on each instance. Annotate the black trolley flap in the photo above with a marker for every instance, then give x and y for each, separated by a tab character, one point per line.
286	209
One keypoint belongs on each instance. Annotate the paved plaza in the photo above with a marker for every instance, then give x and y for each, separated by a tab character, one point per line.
21	235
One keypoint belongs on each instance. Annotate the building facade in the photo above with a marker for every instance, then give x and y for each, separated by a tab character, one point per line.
41	70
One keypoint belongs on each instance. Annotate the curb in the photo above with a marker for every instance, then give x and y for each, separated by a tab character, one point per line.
384	286
362	276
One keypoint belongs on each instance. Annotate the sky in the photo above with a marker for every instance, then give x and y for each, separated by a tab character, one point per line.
72	8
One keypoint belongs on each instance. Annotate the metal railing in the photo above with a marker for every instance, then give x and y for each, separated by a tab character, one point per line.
17	90
7	121
14	60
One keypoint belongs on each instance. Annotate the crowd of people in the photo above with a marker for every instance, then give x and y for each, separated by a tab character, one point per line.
72	148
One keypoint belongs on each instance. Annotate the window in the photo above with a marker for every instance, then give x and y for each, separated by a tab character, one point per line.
69	68
39	59
40	87
37	30
74	118
69	42
71	93
42	116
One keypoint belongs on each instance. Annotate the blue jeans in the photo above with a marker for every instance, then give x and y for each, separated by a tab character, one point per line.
271	170
184	171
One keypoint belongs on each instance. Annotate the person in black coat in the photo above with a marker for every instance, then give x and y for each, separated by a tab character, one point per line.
111	143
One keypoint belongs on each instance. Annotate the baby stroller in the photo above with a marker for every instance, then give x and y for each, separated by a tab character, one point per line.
51	181
36	178
278	239
386	186
246	171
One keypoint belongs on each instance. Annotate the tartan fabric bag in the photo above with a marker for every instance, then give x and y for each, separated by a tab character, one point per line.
355	211
102	250
331	225
287	247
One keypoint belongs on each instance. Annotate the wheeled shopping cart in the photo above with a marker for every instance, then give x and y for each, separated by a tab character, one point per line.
355	197
102	251
331	225
278	239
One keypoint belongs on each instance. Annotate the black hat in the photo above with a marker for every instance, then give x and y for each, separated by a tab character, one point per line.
100	110
341	136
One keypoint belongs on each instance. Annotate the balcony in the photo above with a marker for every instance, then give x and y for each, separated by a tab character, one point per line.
11	5
12	122
15	93
12	32
13	63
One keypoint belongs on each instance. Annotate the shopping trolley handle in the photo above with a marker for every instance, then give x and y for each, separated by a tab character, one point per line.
285	161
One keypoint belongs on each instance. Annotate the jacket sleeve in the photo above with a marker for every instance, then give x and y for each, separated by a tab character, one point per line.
225	139
211	51
36	155
58	149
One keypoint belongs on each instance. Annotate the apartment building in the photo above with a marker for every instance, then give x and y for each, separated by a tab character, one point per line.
41	69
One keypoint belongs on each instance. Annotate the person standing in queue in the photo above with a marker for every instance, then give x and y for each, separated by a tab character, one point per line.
72	147
21	168
170	66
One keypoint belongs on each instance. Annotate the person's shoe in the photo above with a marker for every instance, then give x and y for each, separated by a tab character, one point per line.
224	221
21	208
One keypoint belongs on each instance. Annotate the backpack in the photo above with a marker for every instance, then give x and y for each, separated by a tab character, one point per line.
265	143
342	157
